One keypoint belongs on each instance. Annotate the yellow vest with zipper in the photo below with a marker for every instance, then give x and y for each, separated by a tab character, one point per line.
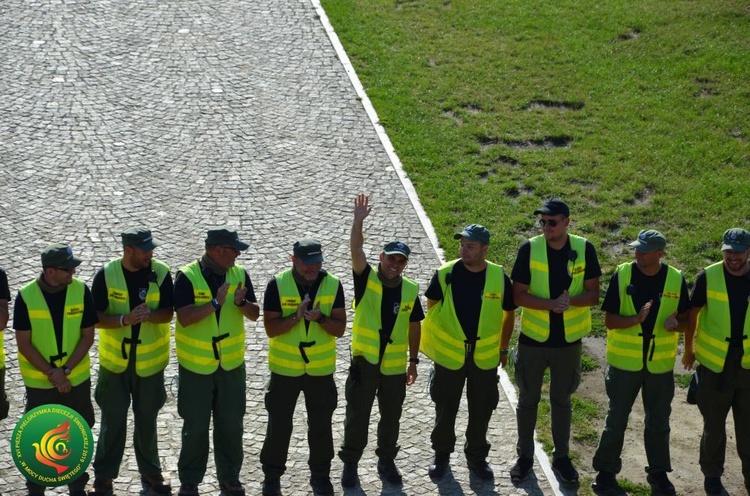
152	350
367	324
443	339
536	323
43	335
285	352
625	346
715	326
206	344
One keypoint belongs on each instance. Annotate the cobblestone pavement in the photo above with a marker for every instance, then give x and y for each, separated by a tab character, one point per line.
181	114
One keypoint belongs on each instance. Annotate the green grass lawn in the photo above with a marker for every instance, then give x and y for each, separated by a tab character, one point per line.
636	113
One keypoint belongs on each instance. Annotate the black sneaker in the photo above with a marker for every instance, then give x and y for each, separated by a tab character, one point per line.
605	483
440	465
563	468
188	489
388	471
271	487
349	475
481	469
713	485
321	485
521	469
232	488
660	484
153	485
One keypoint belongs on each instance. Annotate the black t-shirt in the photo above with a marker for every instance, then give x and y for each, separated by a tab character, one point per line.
184	294
467	289
272	300
389	306
738	290
137	283
4	288
559	281
644	288
56	305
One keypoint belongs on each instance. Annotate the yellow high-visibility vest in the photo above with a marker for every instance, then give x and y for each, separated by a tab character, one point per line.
152	350
367	324
535	323
43	335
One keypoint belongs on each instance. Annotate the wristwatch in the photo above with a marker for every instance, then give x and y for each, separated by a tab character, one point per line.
321	319
66	369
414	360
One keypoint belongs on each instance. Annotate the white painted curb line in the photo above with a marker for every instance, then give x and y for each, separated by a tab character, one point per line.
510	391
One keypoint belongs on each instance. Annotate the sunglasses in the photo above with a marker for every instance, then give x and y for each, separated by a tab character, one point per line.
549	222
69	271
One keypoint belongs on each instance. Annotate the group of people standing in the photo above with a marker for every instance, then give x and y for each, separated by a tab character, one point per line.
466	332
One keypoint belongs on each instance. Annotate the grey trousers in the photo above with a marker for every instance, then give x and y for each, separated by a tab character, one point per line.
565	375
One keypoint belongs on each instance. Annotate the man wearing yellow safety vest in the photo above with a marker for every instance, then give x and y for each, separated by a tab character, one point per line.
470	316
4	299
646	307
303	313
718	336
213	296
386	331
555	281
133	298
54	318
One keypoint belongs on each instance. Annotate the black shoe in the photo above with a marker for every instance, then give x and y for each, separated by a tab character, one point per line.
521	469
713	485
77	492
440	466
563	468
660	484
388	471
349	476
271	487
321	485
102	488
188	489
154	485
605	483
481	469
232	488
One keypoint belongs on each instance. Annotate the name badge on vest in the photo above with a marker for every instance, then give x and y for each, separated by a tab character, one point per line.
74	311
142	292
117	295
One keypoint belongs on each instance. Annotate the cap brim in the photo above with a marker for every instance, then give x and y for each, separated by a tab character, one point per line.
741	248
312	259
70	263
239	245
545	212
148	245
396	252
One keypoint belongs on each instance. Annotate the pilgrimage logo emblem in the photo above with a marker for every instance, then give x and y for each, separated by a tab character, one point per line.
52	445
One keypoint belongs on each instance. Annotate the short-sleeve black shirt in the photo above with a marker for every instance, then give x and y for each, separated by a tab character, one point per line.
559	281
4	288
390	302
272	300
738	291
56	305
644	288
467	288
184	294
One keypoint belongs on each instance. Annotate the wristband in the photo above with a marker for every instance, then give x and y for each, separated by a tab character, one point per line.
66	370
321	319
122	320
215	304
414	360
504	351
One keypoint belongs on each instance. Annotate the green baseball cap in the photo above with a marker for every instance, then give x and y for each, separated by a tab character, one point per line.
474	232
59	255
140	238
397	248
649	240
225	236
736	239
308	250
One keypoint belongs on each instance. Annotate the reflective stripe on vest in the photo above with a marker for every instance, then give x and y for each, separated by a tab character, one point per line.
152	350
206	344
287	353
367	325
577	320
2	349
625	346
43	335
443	339
715	325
